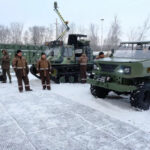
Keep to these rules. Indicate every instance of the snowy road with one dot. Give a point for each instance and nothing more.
(69, 118)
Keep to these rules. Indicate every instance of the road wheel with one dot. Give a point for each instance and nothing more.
(34, 71)
(141, 97)
(71, 79)
(99, 92)
(62, 79)
(76, 78)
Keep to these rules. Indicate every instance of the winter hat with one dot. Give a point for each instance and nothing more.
(43, 54)
(18, 51)
(101, 53)
(3, 50)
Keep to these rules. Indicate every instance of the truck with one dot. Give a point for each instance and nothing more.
(126, 71)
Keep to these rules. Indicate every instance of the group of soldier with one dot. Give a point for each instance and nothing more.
(44, 69)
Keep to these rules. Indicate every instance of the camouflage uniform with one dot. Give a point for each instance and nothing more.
(21, 69)
(6, 66)
(44, 67)
(83, 67)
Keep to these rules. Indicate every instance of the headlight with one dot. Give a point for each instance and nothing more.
(124, 70)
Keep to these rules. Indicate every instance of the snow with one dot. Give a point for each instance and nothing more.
(69, 118)
(114, 106)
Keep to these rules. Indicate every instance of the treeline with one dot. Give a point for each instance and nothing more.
(16, 33)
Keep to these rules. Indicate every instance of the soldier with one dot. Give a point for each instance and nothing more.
(83, 67)
(100, 56)
(21, 69)
(44, 68)
(6, 66)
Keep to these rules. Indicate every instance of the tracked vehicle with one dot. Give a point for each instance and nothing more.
(127, 71)
(64, 57)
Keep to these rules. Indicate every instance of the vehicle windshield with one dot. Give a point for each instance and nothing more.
(53, 51)
(133, 54)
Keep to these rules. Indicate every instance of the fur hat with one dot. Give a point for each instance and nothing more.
(18, 51)
(101, 53)
(43, 54)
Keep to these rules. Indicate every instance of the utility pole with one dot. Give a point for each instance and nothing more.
(102, 20)
(56, 29)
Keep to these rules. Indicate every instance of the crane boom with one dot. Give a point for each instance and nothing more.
(65, 23)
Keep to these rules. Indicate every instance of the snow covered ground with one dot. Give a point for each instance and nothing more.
(114, 106)
(69, 118)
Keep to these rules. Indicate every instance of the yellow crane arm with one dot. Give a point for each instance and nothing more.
(62, 19)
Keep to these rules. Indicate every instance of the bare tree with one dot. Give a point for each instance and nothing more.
(16, 32)
(26, 37)
(93, 36)
(113, 37)
(37, 34)
(72, 28)
(144, 29)
(132, 35)
(48, 33)
(140, 33)
(4, 34)
(82, 30)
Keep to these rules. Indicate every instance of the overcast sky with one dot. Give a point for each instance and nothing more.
(131, 13)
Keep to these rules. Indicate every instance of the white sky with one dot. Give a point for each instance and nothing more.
(131, 13)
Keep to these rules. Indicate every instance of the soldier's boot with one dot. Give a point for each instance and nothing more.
(4, 80)
(48, 87)
(10, 81)
(83, 80)
(44, 87)
(20, 89)
(27, 88)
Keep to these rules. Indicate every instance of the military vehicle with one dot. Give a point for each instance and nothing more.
(64, 57)
(30, 52)
(126, 71)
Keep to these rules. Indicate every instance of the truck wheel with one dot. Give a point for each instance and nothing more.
(99, 92)
(141, 97)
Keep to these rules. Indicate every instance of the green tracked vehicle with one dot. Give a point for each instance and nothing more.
(126, 71)
(30, 52)
(65, 57)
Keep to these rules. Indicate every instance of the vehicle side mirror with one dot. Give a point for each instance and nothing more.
(112, 52)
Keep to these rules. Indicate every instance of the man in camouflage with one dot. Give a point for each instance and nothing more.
(5, 66)
(83, 67)
(44, 68)
(21, 69)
